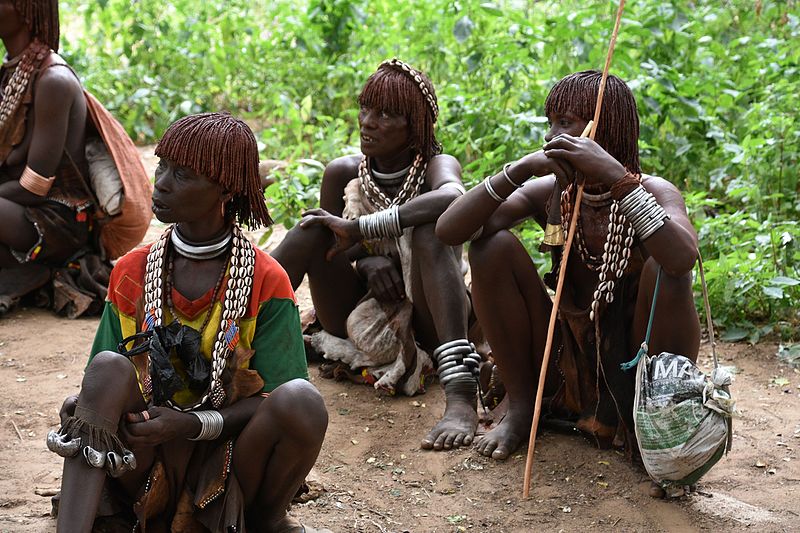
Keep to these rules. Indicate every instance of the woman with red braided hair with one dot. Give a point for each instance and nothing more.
(207, 420)
(46, 204)
(404, 287)
(42, 118)
(630, 226)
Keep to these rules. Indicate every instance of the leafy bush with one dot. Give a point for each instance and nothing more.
(716, 84)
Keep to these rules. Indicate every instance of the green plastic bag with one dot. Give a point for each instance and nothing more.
(681, 417)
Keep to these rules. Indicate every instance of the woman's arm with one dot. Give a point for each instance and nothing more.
(478, 210)
(55, 95)
(674, 244)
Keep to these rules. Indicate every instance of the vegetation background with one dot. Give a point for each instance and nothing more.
(717, 84)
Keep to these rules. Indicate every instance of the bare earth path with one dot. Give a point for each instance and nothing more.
(378, 480)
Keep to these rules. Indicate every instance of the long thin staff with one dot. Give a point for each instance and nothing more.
(591, 129)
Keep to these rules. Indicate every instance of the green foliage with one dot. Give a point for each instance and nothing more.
(716, 83)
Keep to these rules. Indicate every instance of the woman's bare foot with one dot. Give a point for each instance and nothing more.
(509, 434)
(457, 426)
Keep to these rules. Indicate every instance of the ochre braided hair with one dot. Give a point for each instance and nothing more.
(618, 131)
(223, 149)
(41, 16)
(393, 89)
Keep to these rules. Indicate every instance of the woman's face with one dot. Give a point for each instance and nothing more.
(10, 21)
(383, 134)
(568, 123)
(181, 195)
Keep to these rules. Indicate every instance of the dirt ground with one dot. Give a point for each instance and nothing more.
(376, 478)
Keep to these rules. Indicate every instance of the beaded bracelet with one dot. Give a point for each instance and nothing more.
(624, 186)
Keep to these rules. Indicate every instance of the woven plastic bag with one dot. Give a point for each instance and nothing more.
(681, 418)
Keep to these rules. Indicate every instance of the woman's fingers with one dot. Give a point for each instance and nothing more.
(137, 417)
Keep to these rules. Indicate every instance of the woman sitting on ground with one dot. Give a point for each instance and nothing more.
(209, 419)
(371, 248)
(606, 300)
(46, 205)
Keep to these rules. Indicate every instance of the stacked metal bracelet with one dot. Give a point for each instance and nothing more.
(381, 224)
(457, 361)
(211, 422)
(643, 212)
(496, 197)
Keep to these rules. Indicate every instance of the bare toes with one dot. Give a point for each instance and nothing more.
(488, 448)
(500, 453)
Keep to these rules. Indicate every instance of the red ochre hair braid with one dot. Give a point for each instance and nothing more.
(223, 149)
(41, 16)
(395, 89)
(618, 131)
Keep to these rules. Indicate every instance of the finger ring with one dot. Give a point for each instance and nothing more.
(146, 415)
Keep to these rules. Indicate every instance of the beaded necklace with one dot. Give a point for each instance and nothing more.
(616, 250)
(24, 65)
(234, 306)
(410, 188)
(168, 286)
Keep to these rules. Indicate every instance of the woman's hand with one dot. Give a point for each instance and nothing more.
(68, 408)
(158, 425)
(346, 232)
(539, 164)
(382, 277)
(587, 157)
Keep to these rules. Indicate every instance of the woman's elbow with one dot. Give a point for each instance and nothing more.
(445, 232)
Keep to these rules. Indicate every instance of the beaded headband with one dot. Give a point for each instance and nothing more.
(409, 71)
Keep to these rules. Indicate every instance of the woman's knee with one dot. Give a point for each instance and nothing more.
(110, 368)
(491, 251)
(424, 241)
(298, 409)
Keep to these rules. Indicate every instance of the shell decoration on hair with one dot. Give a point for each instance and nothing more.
(234, 306)
(417, 78)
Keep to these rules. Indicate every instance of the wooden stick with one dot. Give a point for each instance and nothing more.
(591, 129)
(19, 435)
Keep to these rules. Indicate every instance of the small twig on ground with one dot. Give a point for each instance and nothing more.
(19, 435)
(616, 521)
(380, 527)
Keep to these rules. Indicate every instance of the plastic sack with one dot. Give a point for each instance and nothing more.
(104, 177)
(159, 343)
(682, 418)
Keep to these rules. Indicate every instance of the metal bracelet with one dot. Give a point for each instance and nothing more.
(381, 224)
(211, 424)
(454, 185)
(508, 178)
(457, 360)
(643, 212)
(496, 197)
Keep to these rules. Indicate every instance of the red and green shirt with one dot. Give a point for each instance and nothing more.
(271, 325)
